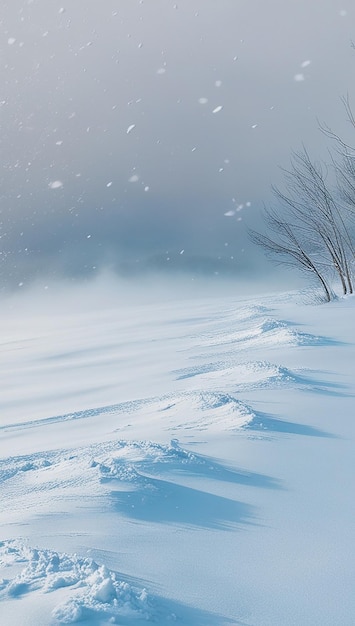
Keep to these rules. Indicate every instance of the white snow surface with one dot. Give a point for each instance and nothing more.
(182, 460)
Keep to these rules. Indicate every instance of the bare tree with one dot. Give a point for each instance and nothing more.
(344, 162)
(287, 248)
(309, 229)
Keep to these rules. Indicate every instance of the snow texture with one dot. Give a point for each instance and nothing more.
(184, 460)
(93, 589)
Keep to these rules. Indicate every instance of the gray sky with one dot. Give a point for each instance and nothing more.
(129, 129)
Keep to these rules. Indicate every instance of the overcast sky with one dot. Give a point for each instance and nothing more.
(145, 133)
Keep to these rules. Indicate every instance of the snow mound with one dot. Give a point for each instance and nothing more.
(244, 376)
(95, 591)
(202, 410)
(131, 457)
(267, 332)
(197, 406)
(282, 332)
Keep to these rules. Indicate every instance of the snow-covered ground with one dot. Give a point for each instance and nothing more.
(186, 460)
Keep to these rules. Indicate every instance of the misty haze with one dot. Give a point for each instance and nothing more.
(145, 136)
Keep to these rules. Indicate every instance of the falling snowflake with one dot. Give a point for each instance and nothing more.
(55, 184)
(217, 109)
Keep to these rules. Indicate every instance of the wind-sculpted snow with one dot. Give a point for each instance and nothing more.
(130, 461)
(267, 332)
(202, 407)
(138, 461)
(138, 479)
(246, 375)
(178, 463)
(94, 590)
(206, 411)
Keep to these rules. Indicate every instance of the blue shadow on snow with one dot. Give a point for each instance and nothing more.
(192, 464)
(163, 502)
(264, 422)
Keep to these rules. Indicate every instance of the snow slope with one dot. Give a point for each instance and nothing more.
(185, 460)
